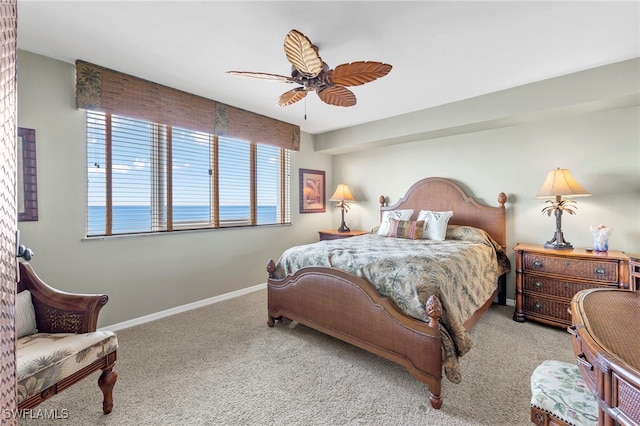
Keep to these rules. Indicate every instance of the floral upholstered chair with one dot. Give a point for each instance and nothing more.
(57, 343)
(560, 396)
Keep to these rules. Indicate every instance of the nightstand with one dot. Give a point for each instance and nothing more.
(335, 235)
(547, 280)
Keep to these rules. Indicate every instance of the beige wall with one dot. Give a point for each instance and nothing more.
(141, 275)
(599, 144)
(488, 144)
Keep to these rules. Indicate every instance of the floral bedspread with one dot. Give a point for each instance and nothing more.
(462, 271)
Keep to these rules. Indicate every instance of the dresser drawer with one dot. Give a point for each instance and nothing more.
(548, 308)
(595, 270)
(554, 287)
(586, 360)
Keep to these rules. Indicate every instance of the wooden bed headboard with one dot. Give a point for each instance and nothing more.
(440, 194)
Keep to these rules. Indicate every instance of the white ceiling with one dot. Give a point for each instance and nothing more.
(441, 51)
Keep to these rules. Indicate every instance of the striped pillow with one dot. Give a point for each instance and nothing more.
(410, 229)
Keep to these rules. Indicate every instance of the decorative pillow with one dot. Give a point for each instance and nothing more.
(435, 224)
(466, 233)
(393, 214)
(406, 229)
(25, 315)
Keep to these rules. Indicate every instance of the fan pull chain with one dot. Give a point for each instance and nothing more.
(305, 109)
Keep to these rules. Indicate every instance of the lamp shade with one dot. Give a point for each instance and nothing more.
(343, 193)
(559, 182)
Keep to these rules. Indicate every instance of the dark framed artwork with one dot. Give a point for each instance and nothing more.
(312, 191)
(27, 176)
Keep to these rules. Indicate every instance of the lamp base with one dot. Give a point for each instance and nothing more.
(344, 228)
(551, 245)
(558, 242)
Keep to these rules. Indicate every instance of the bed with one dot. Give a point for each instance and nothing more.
(340, 298)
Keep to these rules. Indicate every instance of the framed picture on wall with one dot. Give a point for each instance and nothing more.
(27, 176)
(312, 191)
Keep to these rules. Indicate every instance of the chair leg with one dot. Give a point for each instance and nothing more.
(106, 382)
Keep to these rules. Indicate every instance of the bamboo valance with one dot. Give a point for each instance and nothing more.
(105, 90)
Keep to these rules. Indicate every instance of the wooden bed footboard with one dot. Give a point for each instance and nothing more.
(347, 307)
(351, 309)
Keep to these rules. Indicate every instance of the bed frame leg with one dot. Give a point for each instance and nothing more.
(434, 310)
(502, 295)
(272, 320)
(436, 400)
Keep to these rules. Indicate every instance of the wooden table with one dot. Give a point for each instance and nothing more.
(606, 329)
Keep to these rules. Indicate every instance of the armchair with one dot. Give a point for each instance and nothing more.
(57, 343)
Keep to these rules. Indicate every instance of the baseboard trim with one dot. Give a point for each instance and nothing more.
(508, 302)
(199, 304)
(183, 308)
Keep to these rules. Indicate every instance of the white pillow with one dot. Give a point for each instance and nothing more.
(435, 224)
(393, 214)
(25, 315)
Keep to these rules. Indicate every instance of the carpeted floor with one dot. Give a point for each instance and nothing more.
(222, 365)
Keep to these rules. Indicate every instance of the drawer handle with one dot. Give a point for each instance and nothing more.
(581, 359)
(572, 330)
(537, 306)
(537, 284)
(600, 271)
(537, 264)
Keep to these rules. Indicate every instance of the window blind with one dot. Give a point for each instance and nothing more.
(146, 177)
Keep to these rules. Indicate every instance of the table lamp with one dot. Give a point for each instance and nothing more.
(559, 183)
(341, 195)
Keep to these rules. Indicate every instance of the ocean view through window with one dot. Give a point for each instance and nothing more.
(150, 178)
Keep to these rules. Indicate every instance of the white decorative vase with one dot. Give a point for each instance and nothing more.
(601, 235)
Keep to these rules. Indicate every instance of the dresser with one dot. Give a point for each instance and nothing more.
(336, 235)
(606, 341)
(547, 280)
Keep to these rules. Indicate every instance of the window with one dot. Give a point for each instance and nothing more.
(145, 177)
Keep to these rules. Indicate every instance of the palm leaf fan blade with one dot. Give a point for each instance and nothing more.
(302, 54)
(292, 96)
(338, 96)
(358, 73)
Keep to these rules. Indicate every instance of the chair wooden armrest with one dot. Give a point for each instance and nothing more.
(58, 311)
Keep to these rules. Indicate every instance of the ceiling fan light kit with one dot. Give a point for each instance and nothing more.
(313, 74)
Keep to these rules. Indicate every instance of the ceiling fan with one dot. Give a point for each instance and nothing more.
(312, 73)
